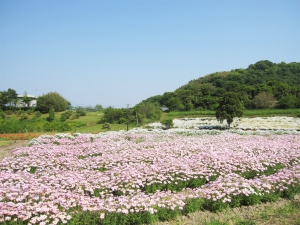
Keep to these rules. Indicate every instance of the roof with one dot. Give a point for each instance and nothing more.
(31, 96)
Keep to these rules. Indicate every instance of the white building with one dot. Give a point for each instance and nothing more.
(20, 103)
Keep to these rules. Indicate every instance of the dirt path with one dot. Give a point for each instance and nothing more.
(6, 150)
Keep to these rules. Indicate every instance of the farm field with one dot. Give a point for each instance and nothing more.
(142, 176)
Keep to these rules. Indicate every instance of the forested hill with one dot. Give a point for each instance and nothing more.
(261, 85)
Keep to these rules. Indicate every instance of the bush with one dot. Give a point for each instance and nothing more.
(51, 116)
(8, 112)
(80, 112)
(2, 115)
(122, 120)
(167, 123)
(106, 126)
(19, 112)
(289, 101)
(66, 115)
(37, 115)
(23, 116)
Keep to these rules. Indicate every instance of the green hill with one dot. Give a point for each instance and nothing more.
(261, 85)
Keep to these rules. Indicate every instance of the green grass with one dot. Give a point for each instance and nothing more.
(4, 143)
(272, 112)
(246, 113)
(275, 213)
(88, 123)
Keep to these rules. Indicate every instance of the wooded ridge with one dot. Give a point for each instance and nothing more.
(262, 85)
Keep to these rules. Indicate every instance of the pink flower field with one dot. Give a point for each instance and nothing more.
(139, 178)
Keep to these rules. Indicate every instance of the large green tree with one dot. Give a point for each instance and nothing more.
(51, 100)
(12, 96)
(8, 97)
(229, 107)
(147, 110)
(3, 99)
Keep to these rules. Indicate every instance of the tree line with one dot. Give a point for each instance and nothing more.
(261, 85)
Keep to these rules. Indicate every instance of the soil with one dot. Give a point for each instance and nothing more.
(6, 150)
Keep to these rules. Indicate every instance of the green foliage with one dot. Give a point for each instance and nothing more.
(8, 97)
(275, 80)
(106, 126)
(246, 222)
(147, 111)
(80, 111)
(2, 115)
(288, 101)
(52, 100)
(56, 126)
(51, 116)
(37, 115)
(16, 126)
(167, 123)
(66, 115)
(112, 115)
(264, 100)
(23, 116)
(229, 107)
(192, 205)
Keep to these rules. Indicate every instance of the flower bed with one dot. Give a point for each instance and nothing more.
(20, 136)
(131, 178)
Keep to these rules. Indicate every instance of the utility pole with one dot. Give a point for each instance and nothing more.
(127, 115)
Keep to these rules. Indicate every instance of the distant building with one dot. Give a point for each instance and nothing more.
(164, 109)
(21, 104)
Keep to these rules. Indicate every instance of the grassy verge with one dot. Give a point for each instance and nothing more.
(246, 113)
(276, 213)
(88, 123)
(5, 143)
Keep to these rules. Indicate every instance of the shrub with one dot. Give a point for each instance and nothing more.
(2, 115)
(37, 115)
(122, 120)
(8, 112)
(51, 116)
(23, 116)
(80, 111)
(167, 123)
(289, 101)
(106, 126)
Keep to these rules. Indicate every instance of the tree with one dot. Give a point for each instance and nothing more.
(264, 100)
(2, 115)
(12, 96)
(147, 110)
(168, 123)
(229, 107)
(51, 116)
(98, 107)
(289, 101)
(27, 99)
(52, 100)
(3, 99)
(112, 115)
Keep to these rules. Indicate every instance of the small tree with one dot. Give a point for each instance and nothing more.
(51, 116)
(27, 99)
(264, 100)
(168, 123)
(229, 107)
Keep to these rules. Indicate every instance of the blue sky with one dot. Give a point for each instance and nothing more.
(118, 52)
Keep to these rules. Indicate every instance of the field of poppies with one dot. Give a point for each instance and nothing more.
(138, 178)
